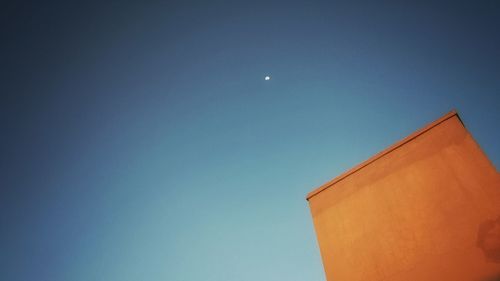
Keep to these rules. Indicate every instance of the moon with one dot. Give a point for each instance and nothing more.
(267, 78)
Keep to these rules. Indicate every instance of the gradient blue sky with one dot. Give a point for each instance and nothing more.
(139, 141)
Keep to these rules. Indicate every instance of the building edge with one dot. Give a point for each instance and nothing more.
(387, 150)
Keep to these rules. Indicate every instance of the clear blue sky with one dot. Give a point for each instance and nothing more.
(140, 141)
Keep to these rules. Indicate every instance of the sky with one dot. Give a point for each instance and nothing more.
(140, 140)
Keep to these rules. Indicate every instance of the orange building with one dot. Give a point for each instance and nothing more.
(426, 208)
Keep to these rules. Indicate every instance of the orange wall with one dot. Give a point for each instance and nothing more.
(427, 208)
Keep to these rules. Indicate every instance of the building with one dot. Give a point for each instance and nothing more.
(426, 208)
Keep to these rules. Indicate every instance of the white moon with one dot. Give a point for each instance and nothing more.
(267, 78)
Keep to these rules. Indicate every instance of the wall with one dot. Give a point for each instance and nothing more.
(427, 208)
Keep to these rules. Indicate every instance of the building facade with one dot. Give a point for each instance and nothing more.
(426, 208)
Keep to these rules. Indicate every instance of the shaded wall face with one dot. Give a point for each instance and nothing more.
(429, 210)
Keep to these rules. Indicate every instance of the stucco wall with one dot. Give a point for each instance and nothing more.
(425, 209)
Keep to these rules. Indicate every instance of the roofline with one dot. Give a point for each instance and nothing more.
(391, 148)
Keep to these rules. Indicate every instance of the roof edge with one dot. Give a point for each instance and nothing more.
(389, 149)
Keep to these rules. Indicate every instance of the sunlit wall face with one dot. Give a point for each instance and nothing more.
(140, 141)
(427, 208)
